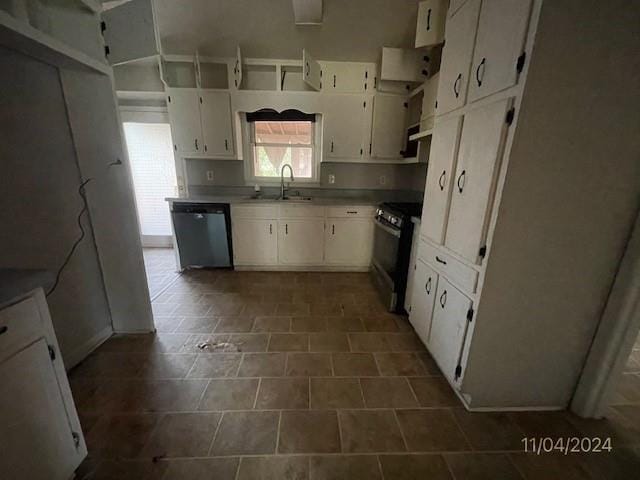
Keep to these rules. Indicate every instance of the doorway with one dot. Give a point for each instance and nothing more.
(153, 170)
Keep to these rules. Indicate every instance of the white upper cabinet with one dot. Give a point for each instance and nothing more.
(348, 241)
(217, 130)
(456, 57)
(432, 15)
(347, 77)
(130, 31)
(448, 327)
(311, 71)
(437, 194)
(237, 69)
(389, 126)
(425, 285)
(300, 241)
(255, 241)
(346, 122)
(403, 65)
(184, 113)
(502, 28)
(481, 146)
(429, 96)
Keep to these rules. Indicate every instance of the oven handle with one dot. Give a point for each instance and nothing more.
(389, 230)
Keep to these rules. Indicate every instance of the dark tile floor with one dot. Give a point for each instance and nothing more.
(305, 376)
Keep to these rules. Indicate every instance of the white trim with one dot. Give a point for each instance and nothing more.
(615, 336)
(81, 352)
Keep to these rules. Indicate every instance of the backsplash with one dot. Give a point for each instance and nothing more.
(371, 177)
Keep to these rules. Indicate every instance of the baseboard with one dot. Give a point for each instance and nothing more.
(300, 268)
(538, 408)
(81, 352)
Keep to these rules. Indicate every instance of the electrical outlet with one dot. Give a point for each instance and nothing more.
(332, 178)
(210, 175)
(383, 180)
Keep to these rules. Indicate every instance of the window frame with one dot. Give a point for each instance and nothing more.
(250, 143)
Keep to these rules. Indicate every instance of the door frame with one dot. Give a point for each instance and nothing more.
(614, 337)
(141, 114)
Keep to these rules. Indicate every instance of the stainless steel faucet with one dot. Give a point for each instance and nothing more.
(282, 189)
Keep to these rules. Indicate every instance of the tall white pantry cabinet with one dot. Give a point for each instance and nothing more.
(512, 269)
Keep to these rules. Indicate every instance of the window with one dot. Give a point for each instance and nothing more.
(154, 174)
(278, 142)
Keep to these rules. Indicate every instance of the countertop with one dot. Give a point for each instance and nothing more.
(244, 199)
(15, 282)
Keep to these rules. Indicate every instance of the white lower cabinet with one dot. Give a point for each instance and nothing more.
(348, 241)
(255, 241)
(40, 435)
(448, 328)
(423, 294)
(300, 241)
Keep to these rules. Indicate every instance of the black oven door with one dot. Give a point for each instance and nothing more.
(386, 245)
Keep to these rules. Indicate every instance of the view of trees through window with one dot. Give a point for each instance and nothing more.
(280, 143)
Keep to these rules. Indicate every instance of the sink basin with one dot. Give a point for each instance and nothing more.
(277, 198)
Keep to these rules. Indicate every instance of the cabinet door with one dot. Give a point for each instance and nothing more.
(389, 126)
(429, 101)
(413, 259)
(300, 241)
(237, 69)
(456, 57)
(432, 15)
(500, 41)
(437, 193)
(130, 32)
(311, 71)
(448, 327)
(34, 423)
(184, 115)
(425, 285)
(348, 242)
(217, 132)
(478, 161)
(346, 77)
(344, 123)
(255, 242)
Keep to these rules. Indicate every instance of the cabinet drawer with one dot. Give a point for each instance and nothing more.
(362, 211)
(298, 211)
(20, 325)
(254, 211)
(456, 271)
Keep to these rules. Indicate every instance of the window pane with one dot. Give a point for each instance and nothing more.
(290, 133)
(154, 174)
(268, 161)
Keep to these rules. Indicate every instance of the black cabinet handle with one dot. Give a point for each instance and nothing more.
(439, 260)
(456, 85)
(333, 229)
(331, 147)
(428, 19)
(308, 69)
(196, 143)
(334, 81)
(461, 180)
(286, 229)
(441, 180)
(443, 299)
(271, 229)
(427, 286)
(3, 329)
(479, 77)
(355, 213)
(226, 144)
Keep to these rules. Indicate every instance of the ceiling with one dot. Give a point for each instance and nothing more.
(352, 30)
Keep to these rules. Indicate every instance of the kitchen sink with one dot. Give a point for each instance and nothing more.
(278, 198)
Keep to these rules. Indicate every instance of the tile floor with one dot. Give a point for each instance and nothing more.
(305, 376)
(160, 264)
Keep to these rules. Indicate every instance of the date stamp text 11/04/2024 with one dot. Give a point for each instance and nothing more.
(566, 445)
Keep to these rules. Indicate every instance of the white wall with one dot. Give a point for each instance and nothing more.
(570, 198)
(39, 201)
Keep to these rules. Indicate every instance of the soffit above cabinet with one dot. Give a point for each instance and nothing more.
(350, 31)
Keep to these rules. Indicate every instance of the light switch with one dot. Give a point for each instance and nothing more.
(383, 179)
(210, 175)
(332, 178)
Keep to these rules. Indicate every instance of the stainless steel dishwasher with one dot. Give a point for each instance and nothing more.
(203, 234)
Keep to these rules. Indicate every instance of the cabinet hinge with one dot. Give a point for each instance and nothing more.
(366, 74)
(470, 314)
(483, 251)
(406, 105)
(510, 114)
(106, 50)
(103, 26)
(458, 372)
(375, 82)
(76, 439)
(361, 151)
(52, 352)
(520, 62)
(200, 99)
(320, 73)
(364, 104)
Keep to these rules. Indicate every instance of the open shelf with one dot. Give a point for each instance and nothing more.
(422, 134)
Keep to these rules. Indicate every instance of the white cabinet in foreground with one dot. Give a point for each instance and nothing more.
(300, 241)
(348, 241)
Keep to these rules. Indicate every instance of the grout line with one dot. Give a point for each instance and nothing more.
(309, 399)
(255, 399)
(215, 434)
(404, 440)
(464, 434)
(380, 467)
(415, 395)
(238, 468)
(340, 431)
(278, 432)
(364, 402)
(450, 470)
(202, 394)
(286, 364)
(239, 365)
